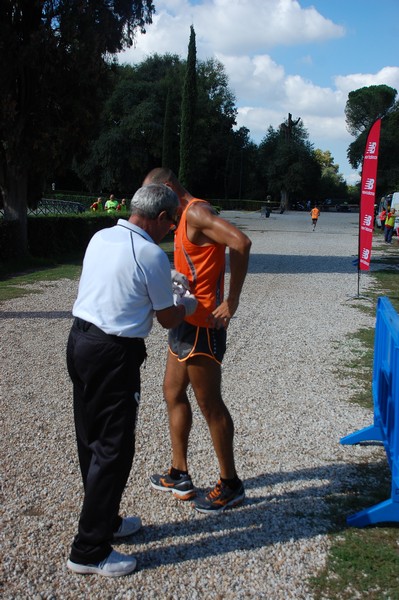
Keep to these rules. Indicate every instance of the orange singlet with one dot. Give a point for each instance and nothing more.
(204, 267)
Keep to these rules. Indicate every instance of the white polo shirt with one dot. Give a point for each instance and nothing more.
(125, 278)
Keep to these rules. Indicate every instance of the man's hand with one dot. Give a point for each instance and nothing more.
(181, 292)
(180, 283)
(189, 302)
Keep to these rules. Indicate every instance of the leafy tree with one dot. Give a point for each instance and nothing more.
(241, 157)
(188, 115)
(325, 160)
(287, 163)
(54, 67)
(216, 146)
(140, 128)
(168, 141)
(354, 193)
(131, 137)
(366, 105)
(332, 184)
(388, 164)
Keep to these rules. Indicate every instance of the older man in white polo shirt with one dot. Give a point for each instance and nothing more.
(126, 279)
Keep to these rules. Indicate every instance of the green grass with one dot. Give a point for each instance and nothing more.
(386, 283)
(364, 562)
(361, 366)
(16, 274)
(31, 272)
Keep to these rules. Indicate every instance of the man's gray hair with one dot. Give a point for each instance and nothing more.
(152, 199)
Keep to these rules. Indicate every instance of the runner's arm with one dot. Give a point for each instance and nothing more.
(207, 226)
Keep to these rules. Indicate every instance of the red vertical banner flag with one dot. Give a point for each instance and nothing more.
(367, 197)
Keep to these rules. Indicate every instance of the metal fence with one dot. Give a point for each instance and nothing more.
(47, 206)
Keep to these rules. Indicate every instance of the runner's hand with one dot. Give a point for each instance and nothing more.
(178, 279)
(180, 284)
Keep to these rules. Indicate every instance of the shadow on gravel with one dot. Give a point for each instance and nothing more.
(281, 263)
(32, 314)
(267, 518)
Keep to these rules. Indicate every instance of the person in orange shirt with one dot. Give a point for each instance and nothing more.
(382, 217)
(197, 347)
(97, 205)
(314, 213)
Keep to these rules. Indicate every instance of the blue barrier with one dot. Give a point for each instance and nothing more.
(385, 389)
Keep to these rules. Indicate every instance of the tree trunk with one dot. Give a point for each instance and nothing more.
(283, 200)
(15, 208)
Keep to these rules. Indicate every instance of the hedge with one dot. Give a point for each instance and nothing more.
(53, 237)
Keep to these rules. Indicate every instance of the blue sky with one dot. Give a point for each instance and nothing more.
(286, 56)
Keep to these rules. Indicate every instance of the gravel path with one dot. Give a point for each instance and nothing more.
(289, 404)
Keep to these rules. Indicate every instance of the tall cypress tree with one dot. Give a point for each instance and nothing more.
(167, 138)
(188, 110)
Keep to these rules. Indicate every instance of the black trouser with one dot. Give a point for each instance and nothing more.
(388, 234)
(105, 372)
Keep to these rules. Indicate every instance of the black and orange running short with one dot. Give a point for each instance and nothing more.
(186, 341)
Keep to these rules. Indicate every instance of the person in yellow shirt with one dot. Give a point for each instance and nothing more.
(389, 225)
(314, 213)
(111, 205)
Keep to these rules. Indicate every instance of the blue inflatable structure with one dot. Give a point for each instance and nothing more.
(385, 429)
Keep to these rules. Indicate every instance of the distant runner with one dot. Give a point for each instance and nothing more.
(315, 213)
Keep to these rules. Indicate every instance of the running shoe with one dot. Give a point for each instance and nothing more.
(115, 565)
(181, 488)
(128, 526)
(220, 498)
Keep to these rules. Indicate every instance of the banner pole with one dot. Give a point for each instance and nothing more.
(367, 199)
(358, 296)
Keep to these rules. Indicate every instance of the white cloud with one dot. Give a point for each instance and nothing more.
(306, 60)
(256, 79)
(322, 109)
(258, 119)
(242, 34)
(313, 99)
(231, 27)
(250, 24)
(271, 96)
(387, 75)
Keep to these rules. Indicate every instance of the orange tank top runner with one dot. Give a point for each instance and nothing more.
(204, 267)
(315, 213)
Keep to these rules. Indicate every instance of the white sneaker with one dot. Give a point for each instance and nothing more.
(115, 565)
(128, 526)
